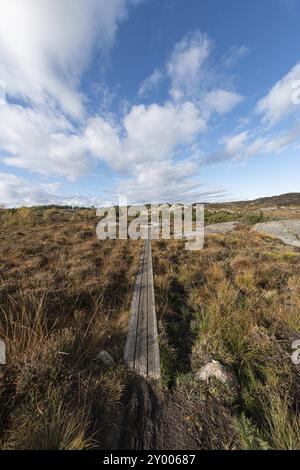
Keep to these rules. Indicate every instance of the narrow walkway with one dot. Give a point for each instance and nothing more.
(141, 349)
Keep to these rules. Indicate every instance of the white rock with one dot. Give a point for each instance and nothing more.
(223, 227)
(214, 369)
(288, 231)
(105, 358)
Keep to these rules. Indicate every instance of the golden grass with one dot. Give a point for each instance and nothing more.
(64, 296)
(239, 302)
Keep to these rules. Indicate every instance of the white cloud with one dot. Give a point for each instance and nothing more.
(48, 144)
(184, 68)
(143, 149)
(252, 143)
(273, 144)
(101, 139)
(234, 144)
(167, 181)
(234, 55)
(42, 60)
(155, 185)
(16, 191)
(41, 142)
(193, 79)
(186, 62)
(147, 134)
(151, 82)
(45, 46)
(279, 101)
(153, 132)
(234, 148)
(221, 101)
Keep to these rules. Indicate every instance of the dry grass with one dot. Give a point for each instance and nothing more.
(236, 301)
(64, 297)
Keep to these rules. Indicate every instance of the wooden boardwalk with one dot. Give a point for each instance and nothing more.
(141, 349)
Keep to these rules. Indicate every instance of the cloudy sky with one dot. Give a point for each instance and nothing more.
(154, 100)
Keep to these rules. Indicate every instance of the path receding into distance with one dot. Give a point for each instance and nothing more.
(141, 349)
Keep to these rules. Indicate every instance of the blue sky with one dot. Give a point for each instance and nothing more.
(176, 101)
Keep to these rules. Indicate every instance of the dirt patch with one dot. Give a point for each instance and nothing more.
(140, 424)
(164, 420)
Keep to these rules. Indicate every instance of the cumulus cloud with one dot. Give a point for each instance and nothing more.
(50, 132)
(152, 135)
(185, 65)
(168, 182)
(48, 144)
(46, 45)
(221, 101)
(192, 78)
(279, 103)
(16, 191)
(154, 131)
(249, 143)
(43, 142)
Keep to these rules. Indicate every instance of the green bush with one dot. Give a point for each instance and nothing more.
(219, 217)
(254, 218)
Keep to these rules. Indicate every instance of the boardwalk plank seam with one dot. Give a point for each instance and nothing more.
(142, 350)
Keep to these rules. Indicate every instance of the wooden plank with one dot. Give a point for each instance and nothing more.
(129, 352)
(153, 347)
(142, 349)
(141, 352)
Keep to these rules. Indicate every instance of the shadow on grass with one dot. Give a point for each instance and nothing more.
(176, 351)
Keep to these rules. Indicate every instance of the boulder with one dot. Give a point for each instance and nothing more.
(288, 231)
(223, 227)
(105, 358)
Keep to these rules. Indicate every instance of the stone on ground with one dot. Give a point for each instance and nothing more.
(223, 227)
(217, 370)
(105, 359)
(288, 231)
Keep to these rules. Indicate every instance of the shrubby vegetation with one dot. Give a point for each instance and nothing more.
(237, 301)
(64, 296)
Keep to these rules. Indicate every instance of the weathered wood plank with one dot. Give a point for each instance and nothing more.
(141, 349)
(141, 353)
(153, 347)
(129, 352)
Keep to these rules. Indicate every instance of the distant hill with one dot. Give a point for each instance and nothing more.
(288, 199)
